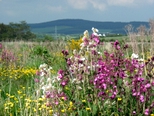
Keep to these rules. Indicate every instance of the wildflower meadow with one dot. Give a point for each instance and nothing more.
(84, 77)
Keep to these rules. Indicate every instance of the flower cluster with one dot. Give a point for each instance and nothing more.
(106, 77)
(111, 73)
(48, 85)
(7, 57)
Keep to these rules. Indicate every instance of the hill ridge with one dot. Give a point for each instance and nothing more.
(77, 26)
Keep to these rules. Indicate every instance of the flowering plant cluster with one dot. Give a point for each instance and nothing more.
(107, 80)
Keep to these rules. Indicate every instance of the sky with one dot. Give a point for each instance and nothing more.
(38, 11)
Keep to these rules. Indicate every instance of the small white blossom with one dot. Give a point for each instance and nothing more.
(140, 60)
(82, 58)
(94, 30)
(86, 34)
(134, 56)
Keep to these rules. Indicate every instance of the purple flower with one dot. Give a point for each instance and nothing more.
(116, 43)
(142, 98)
(96, 40)
(94, 52)
(0, 45)
(148, 85)
(65, 52)
(146, 112)
(152, 58)
(63, 83)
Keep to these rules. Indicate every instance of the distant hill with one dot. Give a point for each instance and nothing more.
(77, 26)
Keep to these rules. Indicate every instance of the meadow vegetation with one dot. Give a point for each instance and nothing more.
(84, 77)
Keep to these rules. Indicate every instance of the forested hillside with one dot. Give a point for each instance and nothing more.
(77, 26)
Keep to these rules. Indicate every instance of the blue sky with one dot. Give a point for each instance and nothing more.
(37, 11)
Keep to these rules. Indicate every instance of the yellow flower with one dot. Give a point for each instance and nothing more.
(88, 109)
(6, 108)
(34, 109)
(27, 104)
(119, 99)
(19, 92)
(83, 101)
(151, 114)
(107, 91)
(12, 96)
(71, 103)
(62, 98)
(50, 111)
(63, 111)
(66, 88)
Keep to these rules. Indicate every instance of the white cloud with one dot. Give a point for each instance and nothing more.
(120, 2)
(83, 4)
(98, 5)
(78, 4)
(129, 2)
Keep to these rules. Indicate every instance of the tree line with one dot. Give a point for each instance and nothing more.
(16, 31)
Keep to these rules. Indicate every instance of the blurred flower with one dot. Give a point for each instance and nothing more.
(146, 112)
(88, 109)
(0, 45)
(134, 56)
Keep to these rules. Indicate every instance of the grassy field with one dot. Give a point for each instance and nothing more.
(84, 77)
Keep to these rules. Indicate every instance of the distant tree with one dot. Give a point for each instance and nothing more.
(16, 31)
(5, 32)
(21, 31)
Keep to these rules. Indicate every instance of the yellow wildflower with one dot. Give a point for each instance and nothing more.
(50, 111)
(71, 103)
(19, 92)
(63, 111)
(83, 101)
(88, 109)
(119, 99)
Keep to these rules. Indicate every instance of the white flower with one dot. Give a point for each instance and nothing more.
(86, 34)
(81, 65)
(48, 80)
(82, 58)
(78, 87)
(99, 53)
(140, 60)
(89, 67)
(74, 52)
(43, 66)
(50, 68)
(43, 88)
(94, 30)
(134, 56)
(42, 74)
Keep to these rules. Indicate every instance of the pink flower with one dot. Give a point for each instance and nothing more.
(37, 73)
(146, 112)
(36, 80)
